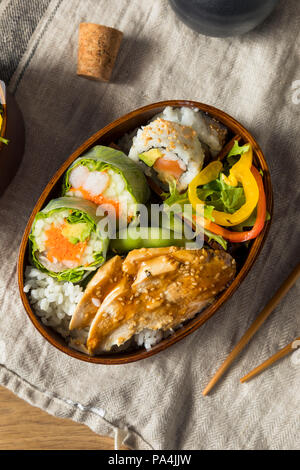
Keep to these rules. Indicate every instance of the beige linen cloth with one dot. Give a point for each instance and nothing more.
(157, 403)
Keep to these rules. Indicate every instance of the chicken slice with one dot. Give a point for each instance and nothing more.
(136, 257)
(164, 291)
(154, 267)
(100, 285)
(110, 314)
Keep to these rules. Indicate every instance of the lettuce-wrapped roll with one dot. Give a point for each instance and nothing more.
(109, 178)
(65, 240)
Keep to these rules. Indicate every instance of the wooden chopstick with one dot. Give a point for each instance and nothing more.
(266, 312)
(279, 355)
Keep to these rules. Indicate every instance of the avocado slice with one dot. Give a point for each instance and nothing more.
(76, 232)
(150, 157)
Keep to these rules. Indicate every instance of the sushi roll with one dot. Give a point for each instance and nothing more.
(168, 151)
(108, 178)
(65, 241)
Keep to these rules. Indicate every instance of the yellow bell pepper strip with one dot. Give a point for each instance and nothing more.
(209, 173)
(230, 180)
(238, 237)
(240, 172)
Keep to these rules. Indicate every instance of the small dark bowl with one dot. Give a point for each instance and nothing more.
(13, 130)
(107, 135)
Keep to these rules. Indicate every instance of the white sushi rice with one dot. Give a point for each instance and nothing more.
(54, 303)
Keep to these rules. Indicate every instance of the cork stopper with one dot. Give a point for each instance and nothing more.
(97, 51)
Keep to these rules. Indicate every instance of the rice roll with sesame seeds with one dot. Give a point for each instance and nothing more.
(65, 240)
(168, 151)
(108, 178)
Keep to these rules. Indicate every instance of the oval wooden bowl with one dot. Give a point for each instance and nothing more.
(107, 135)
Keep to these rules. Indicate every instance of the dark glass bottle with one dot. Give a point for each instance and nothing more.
(222, 18)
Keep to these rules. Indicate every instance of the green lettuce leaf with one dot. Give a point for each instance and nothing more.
(216, 238)
(174, 196)
(221, 196)
(234, 154)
